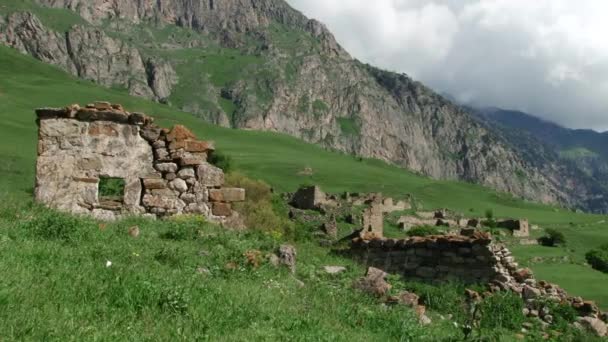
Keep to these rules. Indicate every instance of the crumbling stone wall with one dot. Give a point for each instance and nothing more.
(165, 172)
(432, 259)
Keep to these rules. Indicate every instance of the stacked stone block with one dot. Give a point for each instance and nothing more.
(431, 259)
(166, 171)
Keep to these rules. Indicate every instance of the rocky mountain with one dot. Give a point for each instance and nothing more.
(259, 64)
(583, 151)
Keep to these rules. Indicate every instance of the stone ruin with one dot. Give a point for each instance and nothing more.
(474, 259)
(520, 228)
(372, 220)
(433, 259)
(159, 172)
(443, 217)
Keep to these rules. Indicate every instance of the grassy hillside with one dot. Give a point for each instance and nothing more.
(40, 268)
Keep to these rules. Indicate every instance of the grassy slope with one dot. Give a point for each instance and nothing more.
(26, 84)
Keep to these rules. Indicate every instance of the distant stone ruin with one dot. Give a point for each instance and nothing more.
(433, 259)
(106, 162)
(372, 217)
(520, 228)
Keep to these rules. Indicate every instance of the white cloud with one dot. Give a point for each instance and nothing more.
(547, 57)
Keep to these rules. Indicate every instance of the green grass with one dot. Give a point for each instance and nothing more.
(47, 266)
(577, 153)
(58, 19)
(60, 287)
(348, 126)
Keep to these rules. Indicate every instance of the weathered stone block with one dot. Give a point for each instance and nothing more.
(51, 113)
(179, 185)
(137, 119)
(192, 159)
(186, 173)
(150, 133)
(161, 154)
(222, 209)
(154, 183)
(179, 133)
(227, 195)
(209, 175)
(191, 145)
(166, 167)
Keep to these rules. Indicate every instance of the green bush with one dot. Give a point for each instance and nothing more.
(423, 231)
(490, 220)
(261, 210)
(598, 258)
(221, 160)
(501, 311)
(552, 238)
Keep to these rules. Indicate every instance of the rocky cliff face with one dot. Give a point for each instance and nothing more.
(88, 52)
(259, 64)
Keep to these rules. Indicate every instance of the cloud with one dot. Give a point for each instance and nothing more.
(546, 57)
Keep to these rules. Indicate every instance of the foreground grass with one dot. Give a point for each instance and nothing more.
(61, 288)
(74, 279)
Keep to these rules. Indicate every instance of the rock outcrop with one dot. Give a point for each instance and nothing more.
(88, 52)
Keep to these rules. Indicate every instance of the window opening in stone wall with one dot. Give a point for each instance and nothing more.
(111, 191)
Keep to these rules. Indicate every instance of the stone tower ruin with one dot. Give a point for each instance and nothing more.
(106, 162)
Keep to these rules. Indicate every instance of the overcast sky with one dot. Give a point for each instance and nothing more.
(546, 57)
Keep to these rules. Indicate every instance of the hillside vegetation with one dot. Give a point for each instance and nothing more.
(56, 265)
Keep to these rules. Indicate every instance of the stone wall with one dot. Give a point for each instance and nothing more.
(165, 172)
(432, 259)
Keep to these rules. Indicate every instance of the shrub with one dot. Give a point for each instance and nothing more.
(490, 221)
(221, 160)
(261, 209)
(552, 238)
(598, 258)
(423, 231)
(501, 310)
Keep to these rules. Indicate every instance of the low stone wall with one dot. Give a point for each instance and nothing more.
(165, 172)
(433, 258)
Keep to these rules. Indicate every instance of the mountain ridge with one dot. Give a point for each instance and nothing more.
(263, 65)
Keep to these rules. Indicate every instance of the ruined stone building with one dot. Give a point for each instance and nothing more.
(106, 162)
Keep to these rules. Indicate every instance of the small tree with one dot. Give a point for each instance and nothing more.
(552, 238)
(490, 221)
(598, 258)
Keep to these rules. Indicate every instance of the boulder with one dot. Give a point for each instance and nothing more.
(334, 269)
(530, 292)
(287, 257)
(374, 282)
(594, 325)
